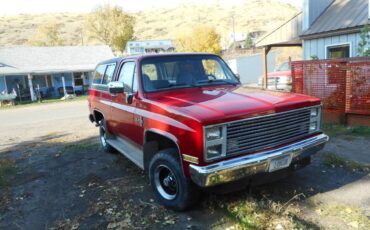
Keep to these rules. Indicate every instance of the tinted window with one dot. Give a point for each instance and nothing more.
(127, 76)
(160, 73)
(108, 76)
(99, 72)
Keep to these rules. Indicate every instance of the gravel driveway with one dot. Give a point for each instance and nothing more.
(64, 181)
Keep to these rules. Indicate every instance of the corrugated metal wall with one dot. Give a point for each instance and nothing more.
(317, 47)
(250, 68)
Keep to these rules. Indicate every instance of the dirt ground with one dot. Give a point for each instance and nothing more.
(63, 180)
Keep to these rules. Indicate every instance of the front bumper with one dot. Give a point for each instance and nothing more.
(241, 167)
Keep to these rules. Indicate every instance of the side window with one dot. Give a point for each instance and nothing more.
(150, 70)
(127, 76)
(108, 76)
(99, 72)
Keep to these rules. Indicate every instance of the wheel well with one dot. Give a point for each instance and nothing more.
(98, 116)
(155, 142)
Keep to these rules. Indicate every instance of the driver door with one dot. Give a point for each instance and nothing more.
(123, 109)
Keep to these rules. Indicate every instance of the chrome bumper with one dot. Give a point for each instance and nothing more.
(241, 167)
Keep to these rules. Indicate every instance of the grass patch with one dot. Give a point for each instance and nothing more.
(263, 213)
(45, 101)
(337, 130)
(333, 160)
(81, 147)
(8, 170)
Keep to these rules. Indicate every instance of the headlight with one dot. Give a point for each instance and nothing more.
(314, 112)
(214, 133)
(315, 119)
(214, 142)
(214, 151)
(284, 79)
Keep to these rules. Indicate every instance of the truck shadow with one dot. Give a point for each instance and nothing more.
(63, 183)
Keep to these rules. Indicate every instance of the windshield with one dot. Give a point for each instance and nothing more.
(283, 67)
(162, 73)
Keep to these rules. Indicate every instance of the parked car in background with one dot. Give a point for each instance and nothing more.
(280, 79)
(186, 120)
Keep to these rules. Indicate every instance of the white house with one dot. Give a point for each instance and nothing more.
(149, 46)
(23, 68)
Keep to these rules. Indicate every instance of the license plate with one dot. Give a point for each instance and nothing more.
(280, 163)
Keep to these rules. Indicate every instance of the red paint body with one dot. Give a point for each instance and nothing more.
(181, 114)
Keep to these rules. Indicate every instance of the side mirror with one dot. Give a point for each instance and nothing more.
(115, 87)
(237, 76)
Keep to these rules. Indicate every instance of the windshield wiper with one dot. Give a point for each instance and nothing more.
(216, 80)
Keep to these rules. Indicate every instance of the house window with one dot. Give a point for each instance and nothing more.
(338, 51)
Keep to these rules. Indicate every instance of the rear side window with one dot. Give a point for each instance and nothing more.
(127, 76)
(99, 72)
(108, 76)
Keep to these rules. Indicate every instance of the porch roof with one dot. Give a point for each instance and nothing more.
(41, 60)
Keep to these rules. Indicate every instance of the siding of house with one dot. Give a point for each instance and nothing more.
(2, 84)
(317, 47)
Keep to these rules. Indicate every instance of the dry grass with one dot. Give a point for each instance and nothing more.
(256, 15)
(333, 160)
(252, 212)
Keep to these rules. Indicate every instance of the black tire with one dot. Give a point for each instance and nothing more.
(103, 138)
(171, 188)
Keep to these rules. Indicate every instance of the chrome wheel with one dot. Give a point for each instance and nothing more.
(165, 182)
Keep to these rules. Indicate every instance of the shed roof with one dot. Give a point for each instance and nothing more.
(340, 17)
(30, 59)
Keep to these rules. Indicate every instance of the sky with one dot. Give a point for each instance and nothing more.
(13, 7)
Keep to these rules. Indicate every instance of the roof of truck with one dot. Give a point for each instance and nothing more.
(143, 56)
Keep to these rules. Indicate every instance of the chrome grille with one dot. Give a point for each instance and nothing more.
(267, 131)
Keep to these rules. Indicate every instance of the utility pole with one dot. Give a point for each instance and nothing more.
(233, 30)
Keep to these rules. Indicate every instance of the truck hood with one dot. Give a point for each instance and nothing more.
(210, 105)
(280, 73)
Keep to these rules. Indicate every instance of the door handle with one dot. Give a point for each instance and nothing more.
(129, 98)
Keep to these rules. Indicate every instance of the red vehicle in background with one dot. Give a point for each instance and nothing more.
(280, 79)
(186, 120)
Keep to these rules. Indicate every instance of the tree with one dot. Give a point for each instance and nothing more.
(201, 39)
(47, 34)
(363, 46)
(248, 41)
(110, 25)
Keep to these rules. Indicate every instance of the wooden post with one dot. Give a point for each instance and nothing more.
(265, 53)
(347, 92)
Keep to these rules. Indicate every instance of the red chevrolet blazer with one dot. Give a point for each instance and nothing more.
(188, 122)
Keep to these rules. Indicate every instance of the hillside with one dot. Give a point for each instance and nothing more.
(253, 15)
